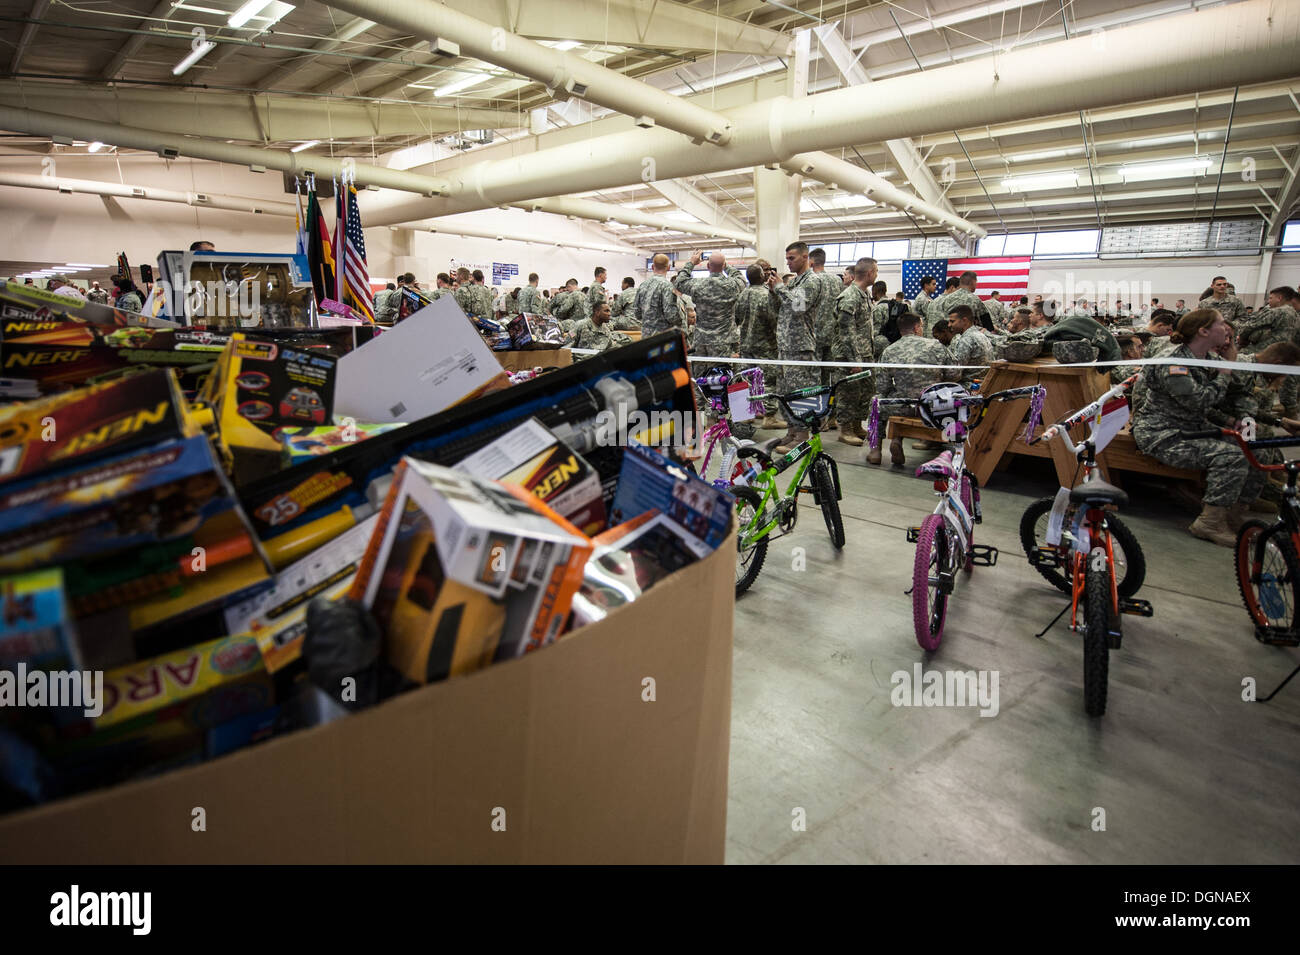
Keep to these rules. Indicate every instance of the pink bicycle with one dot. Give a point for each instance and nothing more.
(717, 387)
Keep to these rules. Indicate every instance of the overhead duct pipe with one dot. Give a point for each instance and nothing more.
(125, 191)
(827, 169)
(455, 228)
(1254, 41)
(170, 146)
(603, 212)
(563, 72)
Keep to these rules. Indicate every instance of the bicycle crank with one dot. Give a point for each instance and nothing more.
(787, 514)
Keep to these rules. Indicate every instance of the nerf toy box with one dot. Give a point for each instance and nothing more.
(534, 331)
(27, 301)
(36, 627)
(462, 571)
(532, 457)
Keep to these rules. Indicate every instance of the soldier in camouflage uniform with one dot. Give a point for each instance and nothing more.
(879, 315)
(971, 348)
(714, 298)
(963, 294)
(596, 291)
(849, 342)
(464, 295)
(530, 299)
(911, 349)
(1253, 394)
(832, 287)
(482, 296)
(595, 332)
(923, 299)
(570, 307)
(997, 310)
(1229, 306)
(655, 303)
(756, 314)
(1130, 347)
(1179, 398)
(1276, 323)
(386, 302)
(795, 330)
(621, 309)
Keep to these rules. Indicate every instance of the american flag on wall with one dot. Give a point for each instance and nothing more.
(353, 276)
(1007, 274)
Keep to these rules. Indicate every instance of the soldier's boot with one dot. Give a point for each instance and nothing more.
(1236, 516)
(896, 457)
(1212, 525)
(774, 422)
(1263, 505)
(848, 437)
(829, 425)
(792, 440)
(860, 431)
(873, 455)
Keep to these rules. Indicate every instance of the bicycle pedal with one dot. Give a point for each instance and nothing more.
(1278, 636)
(983, 555)
(1045, 558)
(1114, 639)
(912, 534)
(1135, 607)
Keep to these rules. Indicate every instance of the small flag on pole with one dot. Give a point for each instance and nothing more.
(320, 252)
(353, 274)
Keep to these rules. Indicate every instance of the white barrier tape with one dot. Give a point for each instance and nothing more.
(1136, 362)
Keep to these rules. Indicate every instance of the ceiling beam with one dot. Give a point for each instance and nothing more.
(163, 10)
(29, 33)
(349, 31)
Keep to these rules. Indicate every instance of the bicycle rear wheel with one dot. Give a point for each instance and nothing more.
(1096, 641)
(1269, 584)
(824, 482)
(749, 557)
(929, 603)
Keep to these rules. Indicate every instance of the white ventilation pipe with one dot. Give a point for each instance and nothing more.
(36, 123)
(563, 72)
(1256, 41)
(603, 212)
(844, 175)
(444, 227)
(125, 191)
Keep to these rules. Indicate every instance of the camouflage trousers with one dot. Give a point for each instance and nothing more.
(713, 345)
(1229, 478)
(827, 375)
(852, 401)
(1290, 396)
(799, 376)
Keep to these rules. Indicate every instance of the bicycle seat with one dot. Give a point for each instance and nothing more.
(939, 466)
(1098, 492)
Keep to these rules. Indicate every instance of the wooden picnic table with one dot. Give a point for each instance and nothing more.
(1001, 435)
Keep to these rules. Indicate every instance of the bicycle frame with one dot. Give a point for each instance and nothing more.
(720, 431)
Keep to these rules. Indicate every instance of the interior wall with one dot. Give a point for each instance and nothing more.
(1134, 280)
(47, 226)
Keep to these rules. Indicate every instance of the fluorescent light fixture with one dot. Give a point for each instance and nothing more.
(245, 13)
(196, 54)
(1177, 169)
(1163, 140)
(1048, 180)
(560, 44)
(86, 265)
(307, 145)
(1046, 154)
(464, 83)
(94, 147)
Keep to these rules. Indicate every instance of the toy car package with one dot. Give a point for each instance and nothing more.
(630, 559)
(649, 481)
(307, 442)
(36, 627)
(461, 571)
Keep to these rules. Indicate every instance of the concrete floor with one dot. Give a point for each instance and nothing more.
(1185, 770)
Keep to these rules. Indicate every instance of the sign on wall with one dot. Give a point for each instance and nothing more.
(504, 271)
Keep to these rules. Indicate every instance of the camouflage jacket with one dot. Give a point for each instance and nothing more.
(1231, 308)
(714, 297)
(595, 295)
(1177, 399)
(796, 325)
(656, 307)
(530, 300)
(910, 382)
(974, 349)
(832, 289)
(850, 335)
(1268, 325)
(756, 313)
(622, 302)
(941, 306)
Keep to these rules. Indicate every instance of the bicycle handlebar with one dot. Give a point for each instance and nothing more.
(1063, 426)
(1248, 447)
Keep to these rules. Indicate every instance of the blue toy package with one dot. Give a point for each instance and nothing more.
(649, 481)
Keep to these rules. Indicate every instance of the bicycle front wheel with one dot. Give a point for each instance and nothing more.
(824, 482)
(1268, 575)
(1096, 641)
(1054, 560)
(929, 603)
(749, 554)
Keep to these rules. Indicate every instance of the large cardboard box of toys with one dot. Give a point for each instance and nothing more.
(607, 743)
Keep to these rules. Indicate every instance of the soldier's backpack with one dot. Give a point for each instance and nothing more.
(889, 329)
(1074, 351)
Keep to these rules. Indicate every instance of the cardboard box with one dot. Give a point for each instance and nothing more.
(537, 358)
(561, 740)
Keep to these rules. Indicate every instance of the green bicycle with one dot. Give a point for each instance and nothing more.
(761, 508)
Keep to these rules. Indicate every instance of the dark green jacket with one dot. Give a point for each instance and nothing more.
(1090, 330)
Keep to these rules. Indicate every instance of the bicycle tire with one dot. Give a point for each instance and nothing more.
(968, 502)
(931, 552)
(1130, 562)
(825, 484)
(1096, 642)
(747, 497)
(1261, 597)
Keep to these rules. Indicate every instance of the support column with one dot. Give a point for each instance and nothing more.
(776, 205)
